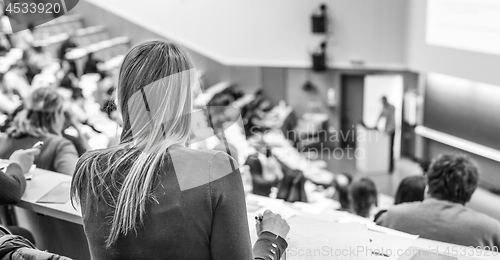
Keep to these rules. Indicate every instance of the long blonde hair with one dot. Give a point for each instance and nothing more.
(154, 99)
(42, 113)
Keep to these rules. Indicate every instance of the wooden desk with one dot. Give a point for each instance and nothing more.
(57, 227)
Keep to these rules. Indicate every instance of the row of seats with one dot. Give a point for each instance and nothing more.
(82, 37)
(66, 23)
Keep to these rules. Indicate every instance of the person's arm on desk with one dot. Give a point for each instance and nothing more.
(12, 181)
(230, 238)
(272, 231)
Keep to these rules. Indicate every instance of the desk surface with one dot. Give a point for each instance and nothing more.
(44, 181)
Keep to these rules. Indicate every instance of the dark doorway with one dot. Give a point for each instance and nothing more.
(351, 107)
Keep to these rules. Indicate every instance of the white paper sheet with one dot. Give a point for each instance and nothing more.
(328, 241)
(390, 247)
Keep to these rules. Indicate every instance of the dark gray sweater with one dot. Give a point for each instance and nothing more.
(12, 185)
(200, 214)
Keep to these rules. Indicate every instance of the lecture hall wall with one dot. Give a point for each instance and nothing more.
(263, 43)
(423, 57)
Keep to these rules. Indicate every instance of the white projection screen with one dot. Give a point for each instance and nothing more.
(470, 25)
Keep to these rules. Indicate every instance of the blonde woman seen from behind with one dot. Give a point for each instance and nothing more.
(151, 197)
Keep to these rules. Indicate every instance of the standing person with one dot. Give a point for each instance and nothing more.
(389, 115)
(151, 197)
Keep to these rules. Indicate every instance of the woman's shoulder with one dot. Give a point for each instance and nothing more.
(196, 167)
(201, 156)
(191, 155)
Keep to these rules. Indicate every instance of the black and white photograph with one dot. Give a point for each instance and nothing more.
(250, 129)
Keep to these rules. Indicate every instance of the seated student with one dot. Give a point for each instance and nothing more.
(13, 182)
(363, 197)
(265, 170)
(16, 79)
(151, 197)
(66, 47)
(9, 101)
(92, 65)
(42, 120)
(341, 185)
(442, 216)
(411, 189)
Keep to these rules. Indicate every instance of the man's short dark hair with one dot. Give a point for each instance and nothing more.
(452, 177)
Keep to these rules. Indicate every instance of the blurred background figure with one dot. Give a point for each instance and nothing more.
(388, 118)
(341, 185)
(42, 119)
(363, 197)
(410, 189)
(16, 80)
(265, 169)
(13, 183)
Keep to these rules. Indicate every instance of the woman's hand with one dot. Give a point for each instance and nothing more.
(24, 158)
(273, 223)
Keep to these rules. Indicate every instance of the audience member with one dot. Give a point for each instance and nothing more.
(9, 100)
(42, 120)
(265, 170)
(12, 180)
(16, 80)
(411, 189)
(442, 216)
(363, 197)
(92, 65)
(66, 47)
(36, 59)
(341, 184)
(13, 183)
(151, 196)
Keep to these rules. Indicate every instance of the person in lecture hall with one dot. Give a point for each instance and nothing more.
(442, 216)
(13, 182)
(411, 189)
(389, 115)
(363, 197)
(151, 197)
(42, 119)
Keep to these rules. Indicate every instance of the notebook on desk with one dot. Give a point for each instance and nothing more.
(58, 195)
